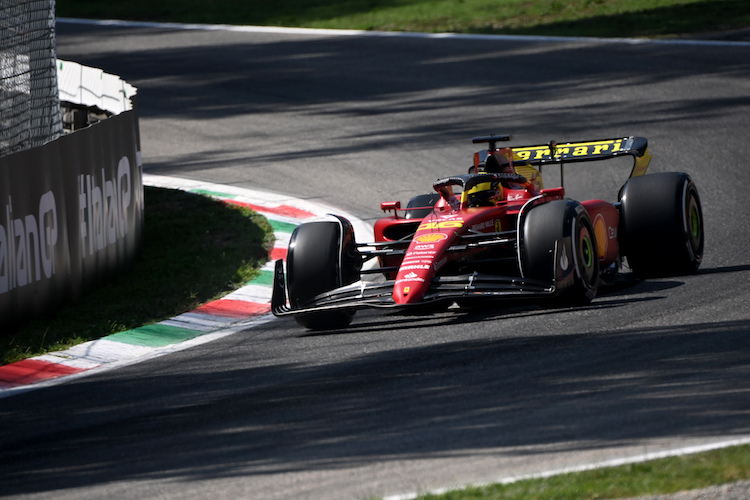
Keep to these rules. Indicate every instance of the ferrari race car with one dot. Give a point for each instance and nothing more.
(496, 233)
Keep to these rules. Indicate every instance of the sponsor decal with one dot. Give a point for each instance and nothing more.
(410, 280)
(600, 230)
(423, 250)
(415, 266)
(431, 238)
(410, 277)
(482, 225)
(439, 264)
(27, 244)
(443, 224)
(564, 262)
(416, 260)
(573, 150)
(103, 208)
(495, 225)
(451, 217)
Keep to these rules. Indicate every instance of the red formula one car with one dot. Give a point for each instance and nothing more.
(496, 233)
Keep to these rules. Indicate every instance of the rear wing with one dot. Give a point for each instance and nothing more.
(572, 152)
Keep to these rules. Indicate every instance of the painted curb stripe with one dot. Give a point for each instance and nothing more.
(206, 323)
(29, 371)
(214, 194)
(263, 278)
(249, 293)
(103, 351)
(157, 335)
(282, 227)
(285, 210)
(234, 308)
(277, 253)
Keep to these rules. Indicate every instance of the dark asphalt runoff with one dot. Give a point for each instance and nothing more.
(397, 404)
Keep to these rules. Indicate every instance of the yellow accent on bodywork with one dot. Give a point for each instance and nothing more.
(641, 164)
(532, 175)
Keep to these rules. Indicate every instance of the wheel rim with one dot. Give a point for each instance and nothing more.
(587, 253)
(694, 225)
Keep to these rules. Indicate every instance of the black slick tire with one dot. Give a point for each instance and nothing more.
(661, 225)
(317, 263)
(564, 220)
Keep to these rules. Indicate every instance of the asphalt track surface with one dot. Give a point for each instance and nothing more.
(398, 403)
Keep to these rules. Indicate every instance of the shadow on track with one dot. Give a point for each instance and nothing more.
(525, 392)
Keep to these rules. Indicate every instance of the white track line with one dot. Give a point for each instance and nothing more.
(399, 34)
(615, 462)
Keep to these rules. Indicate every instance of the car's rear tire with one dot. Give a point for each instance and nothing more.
(542, 227)
(321, 257)
(661, 225)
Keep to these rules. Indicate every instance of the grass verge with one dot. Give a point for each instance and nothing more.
(196, 249)
(663, 476)
(601, 18)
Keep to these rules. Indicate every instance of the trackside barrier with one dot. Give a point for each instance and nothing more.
(93, 87)
(71, 211)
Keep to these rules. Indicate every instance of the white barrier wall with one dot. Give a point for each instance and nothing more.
(93, 87)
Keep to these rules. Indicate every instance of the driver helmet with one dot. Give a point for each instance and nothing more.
(485, 194)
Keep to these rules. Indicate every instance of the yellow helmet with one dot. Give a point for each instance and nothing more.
(485, 194)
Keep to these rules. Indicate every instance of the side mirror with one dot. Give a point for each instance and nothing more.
(556, 192)
(387, 206)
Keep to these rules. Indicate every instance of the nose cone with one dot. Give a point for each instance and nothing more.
(431, 240)
(407, 293)
(411, 285)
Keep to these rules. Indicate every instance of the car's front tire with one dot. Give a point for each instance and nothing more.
(321, 257)
(569, 221)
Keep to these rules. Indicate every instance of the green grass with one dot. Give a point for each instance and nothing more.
(605, 18)
(663, 476)
(196, 249)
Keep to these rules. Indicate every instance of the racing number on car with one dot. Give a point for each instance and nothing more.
(446, 224)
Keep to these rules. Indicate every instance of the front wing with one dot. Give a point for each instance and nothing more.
(362, 294)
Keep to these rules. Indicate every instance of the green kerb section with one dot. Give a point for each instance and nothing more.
(282, 227)
(208, 192)
(155, 335)
(263, 278)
